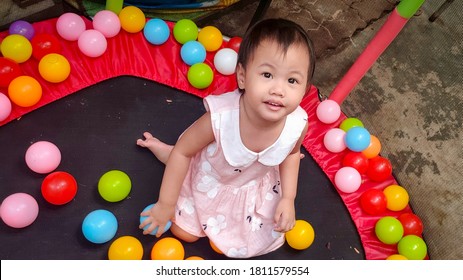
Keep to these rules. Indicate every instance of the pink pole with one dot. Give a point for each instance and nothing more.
(386, 34)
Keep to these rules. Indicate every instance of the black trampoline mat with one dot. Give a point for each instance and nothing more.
(96, 131)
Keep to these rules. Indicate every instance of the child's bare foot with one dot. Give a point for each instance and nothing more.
(160, 149)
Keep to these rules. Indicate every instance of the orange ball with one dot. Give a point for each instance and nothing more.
(217, 250)
(54, 68)
(211, 38)
(126, 248)
(397, 197)
(374, 148)
(132, 19)
(194, 258)
(168, 248)
(25, 91)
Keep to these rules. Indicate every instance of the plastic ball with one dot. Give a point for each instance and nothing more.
(211, 38)
(43, 157)
(5, 107)
(373, 201)
(168, 248)
(412, 224)
(99, 226)
(25, 91)
(132, 19)
(22, 27)
(43, 44)
(397, 197)
(185, 30)
(142, 218)
(389, 230)
(412, 247)
(16, 47)
(54, 68)
(9, 69)
(301, 236)
(347, 179)
(200, 75)
(234, 43)
(328, 111)
(193, 52)
(107, 22)
(19, 210)
(350, 123)
(334, 140)
(396, 257)
(215, 248)
(114, 185)
(125, 248)
(59, 188)
(374, 148)
(225, 61)
(70, 26)
(156, 31)
(194, 258)
(357, 139)
(356, 160)
(92, 43)
(379, 169)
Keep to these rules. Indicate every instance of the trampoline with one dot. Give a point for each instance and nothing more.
(95, 116)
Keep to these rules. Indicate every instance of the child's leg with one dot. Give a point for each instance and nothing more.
(183, 235)
(160, 149)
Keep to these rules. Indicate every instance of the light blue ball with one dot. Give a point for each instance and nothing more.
(156, 31)
(99, 226)
(357, 139)
(155, 230)
(193, 52)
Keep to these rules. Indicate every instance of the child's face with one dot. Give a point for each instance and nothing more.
(274, 82)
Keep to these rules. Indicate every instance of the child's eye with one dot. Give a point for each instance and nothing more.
(267, 75)
(292, 80)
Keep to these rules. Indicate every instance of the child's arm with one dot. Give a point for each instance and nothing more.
(289, 172)
(193, 140)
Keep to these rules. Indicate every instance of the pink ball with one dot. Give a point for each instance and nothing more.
(43, 157)
(19, 210)
(334, 140)
(328, 111)
(92, 43)
(107, 22)
(5, 107)
(348, 179)
(70, 26)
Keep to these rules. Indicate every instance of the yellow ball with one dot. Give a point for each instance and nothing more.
(54, 68)
(16, 47)
(125, 248)
(301, 236)
(397, 197)
(168, 248)
(132, 19)
(25, 91)
(397, 257)
(211, 38)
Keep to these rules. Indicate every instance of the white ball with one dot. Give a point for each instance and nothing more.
(225, 61)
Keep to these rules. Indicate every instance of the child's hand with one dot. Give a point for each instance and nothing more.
(285, 215)
(157, 216)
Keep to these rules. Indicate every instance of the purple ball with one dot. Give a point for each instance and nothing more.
(22, 27)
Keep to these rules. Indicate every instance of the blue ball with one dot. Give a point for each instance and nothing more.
(357, 139)
(155, 230)
(156, 31)
(193, 52)
(99, 226)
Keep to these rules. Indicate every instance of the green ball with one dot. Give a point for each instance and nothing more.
(412, 247)
(350, 123)
(114, 186)
(185, 30)
(407, 8)
(200, 75)
(389, 230)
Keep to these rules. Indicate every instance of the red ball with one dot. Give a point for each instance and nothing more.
(411, 223)
(379, 169)
(234, 43)
(43, 44)
(59, 188)
(356, 160)
(373, 201)
(9, 70)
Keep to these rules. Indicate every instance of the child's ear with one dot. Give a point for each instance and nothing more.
(240, 75)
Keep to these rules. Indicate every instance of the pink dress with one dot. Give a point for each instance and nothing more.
(230, 193)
